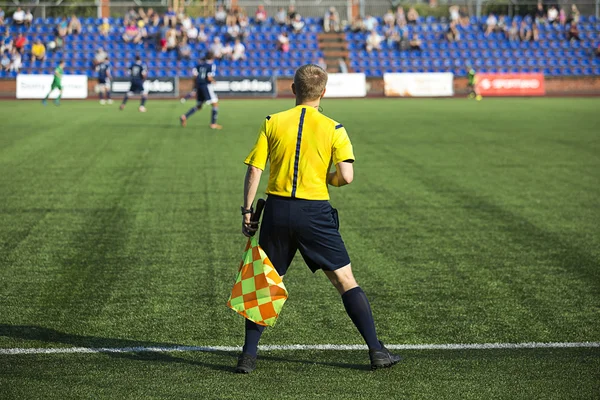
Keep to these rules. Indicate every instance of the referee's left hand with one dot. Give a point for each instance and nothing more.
(249, 227)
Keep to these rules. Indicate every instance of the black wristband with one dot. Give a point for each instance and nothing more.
(247, 210)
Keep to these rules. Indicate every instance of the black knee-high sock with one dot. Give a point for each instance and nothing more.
(253, 333)
(359, 310)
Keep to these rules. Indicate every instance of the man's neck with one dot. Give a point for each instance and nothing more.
(313, 104)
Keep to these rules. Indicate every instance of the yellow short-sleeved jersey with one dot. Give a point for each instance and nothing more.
(38, 49)
(301, 144)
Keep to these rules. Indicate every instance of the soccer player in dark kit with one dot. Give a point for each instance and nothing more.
(138, 73)
(301, 145)
(205, 76)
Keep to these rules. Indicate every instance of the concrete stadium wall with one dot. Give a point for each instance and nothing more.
(564, 86)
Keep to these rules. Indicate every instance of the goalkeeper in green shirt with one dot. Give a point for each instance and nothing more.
(56, 83)
(472, 77)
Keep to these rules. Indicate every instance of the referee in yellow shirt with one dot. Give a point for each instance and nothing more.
(301, 145)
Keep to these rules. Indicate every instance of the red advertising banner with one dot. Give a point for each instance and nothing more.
(511, 84)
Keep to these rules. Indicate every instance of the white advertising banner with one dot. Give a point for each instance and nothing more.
(38, 86)
(437, 84)
(346, 85)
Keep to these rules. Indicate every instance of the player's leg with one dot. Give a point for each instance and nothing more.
(48, 95)
(125, 98)
(188, 96)
(143, 102)
(201, 98)
(322, 247)
(57, 100)
(214, 101)
(107, 93)
(101, 90)
(275, 239)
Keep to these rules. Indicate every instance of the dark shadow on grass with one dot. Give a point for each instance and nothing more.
(37, 333)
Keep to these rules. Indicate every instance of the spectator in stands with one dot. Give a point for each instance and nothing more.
(227, 51)
(170, 17)
(540, 14)
(233, 32)
(239, 51)
(7, 42)
(391, 34)
(331, 20)
(389, 18)
(454, 13)
(5, 61)
(297, 23)
(573, 32)
(513, 32)
(260, 16)
(291, 15)
(171, 38)
(131, 15)
(412, 17)
(100, 56)
(142, 29)
(373, 41)
(15, 61)
(525, 32)
(216, 48)
(281, 17)
(283, 42)
(535, 33)
(464, 17)
(232, 17)
(357, 25)
(38, 51)
(574, 14)
(20, 43)
(501, 26)
(400, 16)
(143, 15)
(61, 28)
(452, 34)
(370, 23)
(2, 17)
(562, 17)
(552, 15)
(490, 24)
(244, 24)
(28, 18)
(202, 36)
(152, 17)
(220, 16)
(74, 26)
(132, 33)
(415, 43)
(18, 16)
(188, 29)
(104, 27)
(181, 15)
(184, 50)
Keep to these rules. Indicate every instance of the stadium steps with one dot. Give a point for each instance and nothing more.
(334, 46)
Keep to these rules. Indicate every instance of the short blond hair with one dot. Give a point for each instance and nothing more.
(310, 81)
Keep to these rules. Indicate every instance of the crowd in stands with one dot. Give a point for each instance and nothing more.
(175, 31)
(395, 26)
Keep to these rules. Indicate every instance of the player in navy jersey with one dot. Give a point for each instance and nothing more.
(205, 76)
(138, 73)
(104, 75)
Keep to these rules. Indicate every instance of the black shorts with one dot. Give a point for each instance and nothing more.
(310, 226)
(137, 87)
(205, 94)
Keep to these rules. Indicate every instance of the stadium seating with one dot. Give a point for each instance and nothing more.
(552, 55)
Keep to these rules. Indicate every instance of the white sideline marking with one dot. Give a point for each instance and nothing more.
(300, 347)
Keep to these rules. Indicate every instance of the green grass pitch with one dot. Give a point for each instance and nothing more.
(468, 222)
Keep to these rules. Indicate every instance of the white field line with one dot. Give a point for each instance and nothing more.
(298, 347)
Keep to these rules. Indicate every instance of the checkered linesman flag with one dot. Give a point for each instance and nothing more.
(258, 293)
